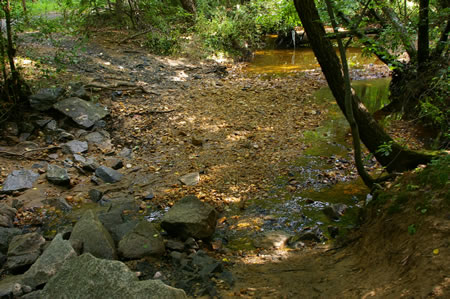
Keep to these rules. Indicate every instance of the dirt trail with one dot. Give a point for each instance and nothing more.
(238, 132)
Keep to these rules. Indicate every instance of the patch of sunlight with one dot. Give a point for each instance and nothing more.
(232, 199)
(180, 77)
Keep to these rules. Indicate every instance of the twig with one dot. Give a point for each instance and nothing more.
(135, 35)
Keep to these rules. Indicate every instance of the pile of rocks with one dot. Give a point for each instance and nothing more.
(82, 260)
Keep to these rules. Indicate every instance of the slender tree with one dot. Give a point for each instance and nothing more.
(372, 135)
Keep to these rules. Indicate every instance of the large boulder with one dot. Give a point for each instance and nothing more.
(88, 277)
(94, 237)
(6, 235)
(49, 262)
(190, 217)
(7, 215)
(45, 98)
(19, 180)
(82, 112)
(144, 240)
(24, 250)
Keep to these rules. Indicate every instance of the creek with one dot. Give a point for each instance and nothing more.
(323, 175)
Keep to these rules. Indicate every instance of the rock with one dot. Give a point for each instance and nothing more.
(88, 277)
(94, 236)
(190, 217)
(177, 256)
(190, 179)
(175, 245)
(6, 235)
(49, 262)
(8, 285)
(7, 215)
(206, 265)
(126, 153)
(335, 211)
(144, 240)
(75, 147)
(120, 230)
(272, 239)
(86, 163)
(108, 175)
(82, 112)
(33, 295)
(19, 180)
(24, 250)
(57, 175)
(114, 163)
(59, 203)
(2, 259)
(95, 195)
(64, 136)
(94, 137)
(45, 98)
(77, 90)
(51, 125)
(191, 243)
(310, 234)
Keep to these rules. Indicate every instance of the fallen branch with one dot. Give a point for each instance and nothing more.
(121, 85)
(134, 36)
(6, 153)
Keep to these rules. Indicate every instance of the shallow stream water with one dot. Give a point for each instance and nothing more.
(322, 175)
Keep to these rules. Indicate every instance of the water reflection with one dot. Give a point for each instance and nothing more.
(287, 60)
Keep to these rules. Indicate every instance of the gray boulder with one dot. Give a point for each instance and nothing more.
(88, 277)
(24, 250)
(94, 137)
(6, 235)
(49, 262)
(57, 175)
(45, 98)
(144, 240)
(75, 147)
(190, 179)
(82, 112)
(94, 237)
(10, 286)
(20, 180)
(7, 215)
(108, 175)
(190, 217)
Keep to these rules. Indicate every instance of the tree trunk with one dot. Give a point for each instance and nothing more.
(423, 50)
(189, 6)
(372, 135)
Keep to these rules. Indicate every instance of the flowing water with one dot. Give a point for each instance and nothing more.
(322, 176)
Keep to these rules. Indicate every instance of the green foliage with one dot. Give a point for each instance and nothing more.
(385, 149)
(433, 105)
(163, 44)
(412, 229)
(437, 173)
(239, 26)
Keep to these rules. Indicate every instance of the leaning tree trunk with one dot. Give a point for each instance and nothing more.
(189, 6)
(371, 133)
